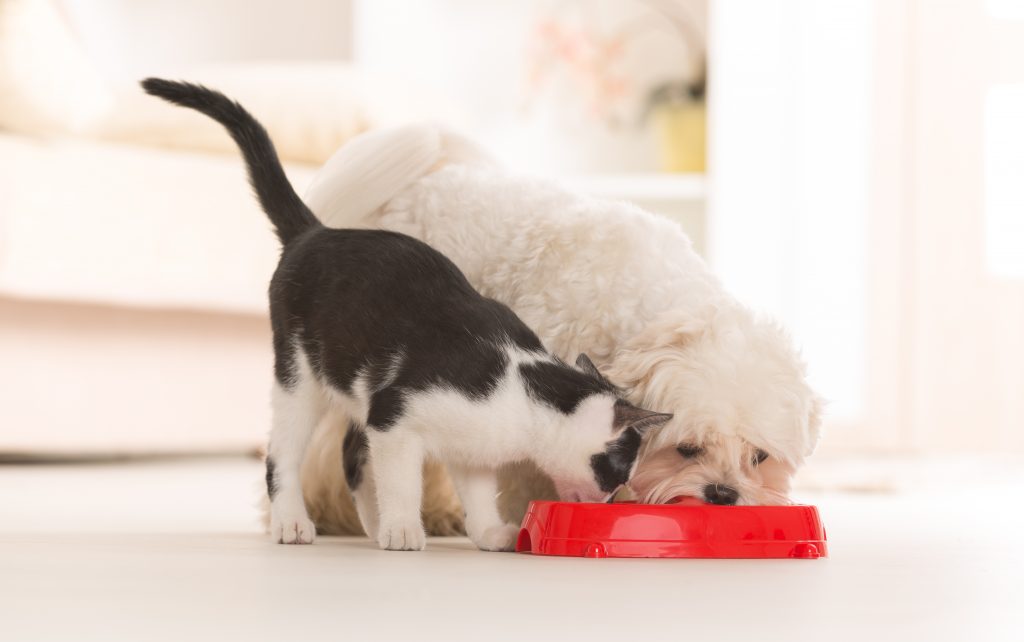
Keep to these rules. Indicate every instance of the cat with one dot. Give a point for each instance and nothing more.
(388, 329)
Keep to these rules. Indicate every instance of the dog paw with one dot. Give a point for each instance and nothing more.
(402, 537)
(292, 529)
(498, 538)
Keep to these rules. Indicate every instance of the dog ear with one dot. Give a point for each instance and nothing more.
(661, 343)
(584, 363)
(814, 414)
(629, 416)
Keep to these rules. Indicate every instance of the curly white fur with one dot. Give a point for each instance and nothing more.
(605, 278)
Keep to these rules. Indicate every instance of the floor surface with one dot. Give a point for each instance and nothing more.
(173, 551)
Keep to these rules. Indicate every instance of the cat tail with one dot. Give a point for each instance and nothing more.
(282, 205)
(370, 169)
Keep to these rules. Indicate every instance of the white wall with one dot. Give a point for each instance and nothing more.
(866, 189)
(968, 301)
(790, 116)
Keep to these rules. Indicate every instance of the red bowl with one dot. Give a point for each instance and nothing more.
(687, 528)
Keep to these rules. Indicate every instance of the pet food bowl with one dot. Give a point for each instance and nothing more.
(685, 528)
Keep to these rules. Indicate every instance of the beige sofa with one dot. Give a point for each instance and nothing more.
(132, 299)
(133, 260)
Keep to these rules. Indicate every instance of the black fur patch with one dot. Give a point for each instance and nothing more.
(271, 479)
(559, 386)
(366, 301)
(284, 355)
(386, 408)
(613, 467)
(354, 451)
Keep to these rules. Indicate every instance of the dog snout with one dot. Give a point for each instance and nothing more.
(720, 494)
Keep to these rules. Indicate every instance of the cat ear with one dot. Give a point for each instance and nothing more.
(629, 416)
(584, 363)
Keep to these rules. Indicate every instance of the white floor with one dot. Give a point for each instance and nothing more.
(173, 551)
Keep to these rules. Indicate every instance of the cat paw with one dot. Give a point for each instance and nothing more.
(498, 538)
(402, 537)
(292, 529)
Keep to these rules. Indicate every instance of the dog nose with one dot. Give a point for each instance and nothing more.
(719, 494)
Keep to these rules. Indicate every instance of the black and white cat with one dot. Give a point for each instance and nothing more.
(389, 330)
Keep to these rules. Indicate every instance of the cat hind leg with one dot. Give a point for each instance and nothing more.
(359, 477)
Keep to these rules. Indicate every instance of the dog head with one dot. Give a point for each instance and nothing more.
(744, 415)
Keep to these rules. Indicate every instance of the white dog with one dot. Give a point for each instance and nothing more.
(588, 275)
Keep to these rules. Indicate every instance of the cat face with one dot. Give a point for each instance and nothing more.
(607, 431)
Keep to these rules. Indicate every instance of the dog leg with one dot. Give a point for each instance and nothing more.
(478, 489)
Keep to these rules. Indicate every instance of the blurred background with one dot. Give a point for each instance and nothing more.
(854, 168)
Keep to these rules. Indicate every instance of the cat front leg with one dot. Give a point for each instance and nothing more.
(396, 464)
(296, 412)
(478, 490)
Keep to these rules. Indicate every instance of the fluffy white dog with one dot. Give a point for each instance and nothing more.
(588, 275)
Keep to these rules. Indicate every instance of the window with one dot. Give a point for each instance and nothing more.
(1004, 180)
